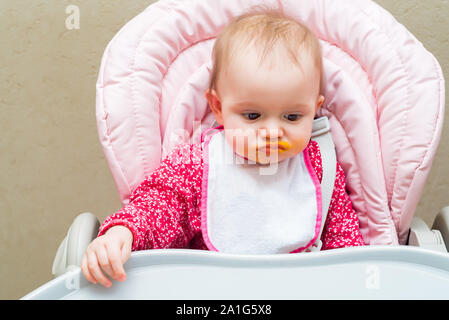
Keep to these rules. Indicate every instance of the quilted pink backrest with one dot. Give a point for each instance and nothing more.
(384, 98)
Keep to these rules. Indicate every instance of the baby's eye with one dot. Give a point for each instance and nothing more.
(293, 117)
(251, 115)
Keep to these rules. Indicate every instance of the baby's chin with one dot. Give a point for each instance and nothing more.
(261, 157)
(264, 159)
(269, 160)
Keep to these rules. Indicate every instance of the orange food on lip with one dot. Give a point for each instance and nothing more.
(282, 146)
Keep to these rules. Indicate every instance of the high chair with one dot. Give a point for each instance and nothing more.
(384, 101)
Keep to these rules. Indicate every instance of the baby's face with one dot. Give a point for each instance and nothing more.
(267, 111)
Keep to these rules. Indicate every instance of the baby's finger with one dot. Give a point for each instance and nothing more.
(85, 270)
(118, 273)
(103, 260)
(95, 270)
(125, 252)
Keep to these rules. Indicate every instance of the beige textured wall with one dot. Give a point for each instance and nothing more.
(52, 165)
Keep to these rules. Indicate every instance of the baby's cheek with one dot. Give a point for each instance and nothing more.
(298, 145)
(238, 143)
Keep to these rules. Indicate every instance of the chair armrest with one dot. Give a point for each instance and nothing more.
(441, 223)
(421, 236)
(71, 250)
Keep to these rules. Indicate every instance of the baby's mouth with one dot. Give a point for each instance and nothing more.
(280, 146)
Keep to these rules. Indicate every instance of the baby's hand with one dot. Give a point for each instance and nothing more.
(110, 251)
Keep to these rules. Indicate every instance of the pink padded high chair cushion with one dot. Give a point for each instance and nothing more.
(384, 98)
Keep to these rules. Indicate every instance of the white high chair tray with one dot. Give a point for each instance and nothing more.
(376, 272)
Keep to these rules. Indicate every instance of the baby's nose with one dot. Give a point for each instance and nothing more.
(271, 133)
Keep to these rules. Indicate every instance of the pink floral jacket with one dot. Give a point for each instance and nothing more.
(164, 210)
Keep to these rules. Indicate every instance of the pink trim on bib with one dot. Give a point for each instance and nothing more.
(317, 184)
(206, 239)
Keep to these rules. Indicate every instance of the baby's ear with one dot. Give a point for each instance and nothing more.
(215, 104)
(319, 103)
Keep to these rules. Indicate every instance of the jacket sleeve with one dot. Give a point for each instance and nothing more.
(163, 211)
(341, 228)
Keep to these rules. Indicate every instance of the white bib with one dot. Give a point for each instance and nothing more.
(249, 208)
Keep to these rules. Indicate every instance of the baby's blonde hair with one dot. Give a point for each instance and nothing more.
(264, 28)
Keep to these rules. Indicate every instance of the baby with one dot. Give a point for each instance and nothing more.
(264, 92)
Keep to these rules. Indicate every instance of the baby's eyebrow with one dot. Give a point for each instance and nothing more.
(299, 105)
(244, 103)
(249, 104)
